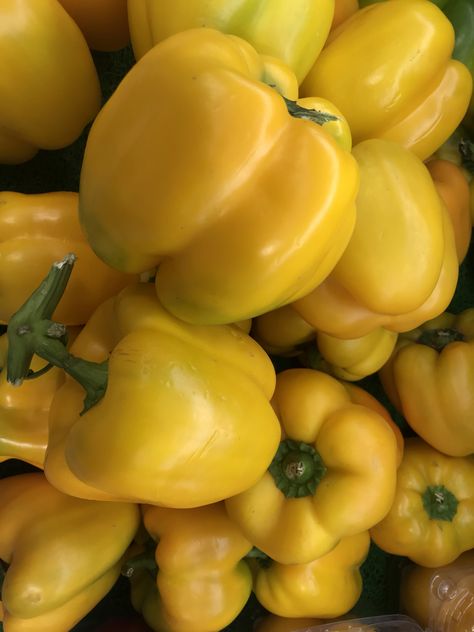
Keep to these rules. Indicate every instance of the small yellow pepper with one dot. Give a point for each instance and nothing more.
(201, 582)
(49, 88)
(431, 520)
(400, 267)
(63, 554)
(315, 491)
(429, 379)
(326, 587)
(389, 69)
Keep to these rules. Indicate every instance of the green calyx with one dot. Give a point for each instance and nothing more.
(315, 116)
(297, 469)
(32, 332)
(439, 503)
(439, 338)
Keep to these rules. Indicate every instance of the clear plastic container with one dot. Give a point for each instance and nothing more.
(441, 599)
(383, 623)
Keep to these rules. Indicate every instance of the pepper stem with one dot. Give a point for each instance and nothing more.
(31, 332)
(439, 338)
(297, 469)
(145, 561)
(439, 503)
(316, 116)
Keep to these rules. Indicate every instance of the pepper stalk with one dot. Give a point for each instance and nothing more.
(31, 331)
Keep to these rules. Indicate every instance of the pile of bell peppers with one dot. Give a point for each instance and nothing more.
(234, 357)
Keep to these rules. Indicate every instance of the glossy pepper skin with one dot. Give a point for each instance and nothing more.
(326, 587)
(453, 187)
(64, 554)
(49, 87)
(442, 597)
(202, 581)
(431, 520)
(401, 83)
(294, 33)
(429, 379)
(185, 419)
(24, 412)
(104, 23)
(400, 267)
(302, 506)
(275, 210)
(38, 229)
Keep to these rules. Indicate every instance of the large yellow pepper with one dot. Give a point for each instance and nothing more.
(202, 582)
(395, 75)
(63, 554)
(49, 89)
(440, 598)
(326, 587)
(430, 378)
(237, 223)
(431, 520)
(292, 31)
(400, 267)
(185, 419)
(316, 490)
(37, 230)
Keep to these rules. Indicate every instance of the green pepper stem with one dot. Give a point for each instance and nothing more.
(297, 469)
(439, 338)
(439, 503)
(31, 332)
(142, 561)
(315, 116)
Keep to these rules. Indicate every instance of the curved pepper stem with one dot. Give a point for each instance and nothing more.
(315, 116)
(297, 469)
(439, 503)
(32, 332)
(439, 338)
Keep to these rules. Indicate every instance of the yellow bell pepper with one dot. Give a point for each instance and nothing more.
(49, 88)
(440, 598)
(326, 587)
(201, 582)
(429, 379)
(400, 267)
(355, 358)
(104, 23)
(174, 414)
(24, 412)
(431, 520)
(316, 490)
(282, 331)
(453, 187)
(395, 75)
(62, 554)
(294, 32)
(38, 229)
(273, 212)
